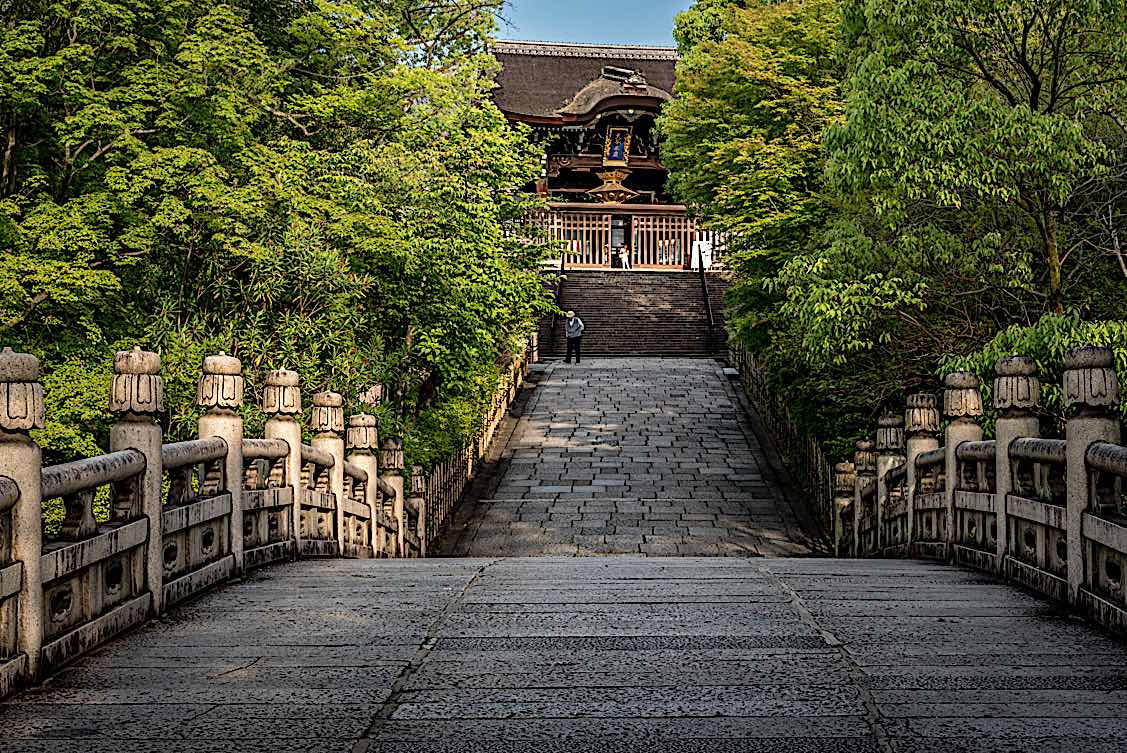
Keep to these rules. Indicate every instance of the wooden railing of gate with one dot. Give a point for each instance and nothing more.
(187, 516)
(657, 240)
(1047, 513)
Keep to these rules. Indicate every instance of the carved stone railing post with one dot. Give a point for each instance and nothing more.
(327, 423)
(1017, 392)
(865, 470)
(921, 431)
(1091, 393)
(281, 402)
(363, 444)
(890, 453)
(962, 404)
(843, 495)
(137, 397)
(418, 500)
(391, 471)
(21, 410)
(220, 392)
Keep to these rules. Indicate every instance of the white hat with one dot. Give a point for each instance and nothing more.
(571, 315)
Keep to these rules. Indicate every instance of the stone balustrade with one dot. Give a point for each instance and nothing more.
(184, 517)
(1048, 513)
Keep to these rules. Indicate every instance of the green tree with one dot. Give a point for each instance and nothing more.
(981, 168)
(321, 186)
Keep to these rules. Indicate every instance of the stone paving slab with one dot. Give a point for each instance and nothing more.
(606, 655)
(641, 457)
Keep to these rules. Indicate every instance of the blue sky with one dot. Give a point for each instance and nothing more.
(593, 21)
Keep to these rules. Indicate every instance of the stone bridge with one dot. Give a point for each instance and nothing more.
(562, 624)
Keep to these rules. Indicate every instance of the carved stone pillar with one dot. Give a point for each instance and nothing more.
(327, 423)
(1091, 394)
(890, 453)
(921, 430)
(21, 410)
(865, 470)
(418, 501)
(137, 397)
(220, 392)
(962, 404)
(1017, 392)
(281, 402)
(843, 495)
(391, 471)
(363, 444)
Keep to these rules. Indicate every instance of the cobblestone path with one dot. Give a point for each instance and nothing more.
(631, 456)
(593, 655)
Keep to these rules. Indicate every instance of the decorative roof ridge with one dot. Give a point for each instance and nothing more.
(584, 50)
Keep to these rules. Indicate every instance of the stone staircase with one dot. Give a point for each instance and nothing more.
(640, 312)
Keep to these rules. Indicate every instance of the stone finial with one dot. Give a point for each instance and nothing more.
(844, 479)
(961, 395)
(1090, 382)
(865, 458)
(21, 394)
(137, 386)
(221, 384)
(363, 436)
(418, 481)
(1017, 390)
(372, 396)
(391, 455)
(282, 394)
(890, 434)
(922, 414)
(328, 413)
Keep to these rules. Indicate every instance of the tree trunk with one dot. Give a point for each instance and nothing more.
(1052, 258)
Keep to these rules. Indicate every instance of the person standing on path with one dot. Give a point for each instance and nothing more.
(574, 331)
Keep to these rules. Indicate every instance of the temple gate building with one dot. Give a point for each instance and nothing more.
(593, 109)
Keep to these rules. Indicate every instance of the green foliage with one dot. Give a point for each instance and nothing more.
(1046, 342)
(318, 186)
(703, 22)
(973, 181)
(743, 138)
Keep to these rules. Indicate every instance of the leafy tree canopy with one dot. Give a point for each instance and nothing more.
(320, 186)
(946, 179)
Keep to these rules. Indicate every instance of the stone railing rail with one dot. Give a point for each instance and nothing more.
(1049, 514)
(187, 516)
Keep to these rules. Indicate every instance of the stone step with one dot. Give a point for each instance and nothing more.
(642, 313)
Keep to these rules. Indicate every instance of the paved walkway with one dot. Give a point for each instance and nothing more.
(593, 655)
(631, 456)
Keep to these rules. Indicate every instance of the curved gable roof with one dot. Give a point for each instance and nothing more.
(548, 81)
